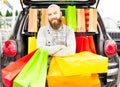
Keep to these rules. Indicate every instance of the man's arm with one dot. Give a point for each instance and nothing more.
(41, 43)
(71, 45)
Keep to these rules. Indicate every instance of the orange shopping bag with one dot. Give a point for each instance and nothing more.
(63, 19)
(75, 70)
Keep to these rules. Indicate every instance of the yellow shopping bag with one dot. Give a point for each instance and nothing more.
(31, 44)
(82, 63)
(75, 70)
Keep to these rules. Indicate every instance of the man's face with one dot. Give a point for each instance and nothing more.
(54, 17)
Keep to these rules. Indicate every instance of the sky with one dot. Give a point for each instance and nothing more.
(110, 8)
(107, 8)
(15, 4)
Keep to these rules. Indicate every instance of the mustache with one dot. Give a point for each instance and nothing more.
(55, 25)
(54, 19)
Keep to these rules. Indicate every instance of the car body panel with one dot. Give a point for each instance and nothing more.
(113, 30)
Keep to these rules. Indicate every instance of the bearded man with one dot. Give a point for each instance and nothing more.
(56, 37)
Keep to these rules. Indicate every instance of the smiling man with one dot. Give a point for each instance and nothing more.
(56, 37)
(54, 16)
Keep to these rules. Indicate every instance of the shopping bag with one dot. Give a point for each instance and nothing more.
(31, 44)
(91, 44)
(39, 78)
(85, 43)
(81, 20)
(91, 20)
(24, 77)
(32, 20)
(63, 19)
(71, 17)
(12, 70)
(75, 70)
(44, 17)
(34, 73)
(82, 63)
(73, 81)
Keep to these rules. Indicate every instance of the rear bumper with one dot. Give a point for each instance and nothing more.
(113, 74)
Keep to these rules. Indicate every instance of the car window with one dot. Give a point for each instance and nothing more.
(110, 23)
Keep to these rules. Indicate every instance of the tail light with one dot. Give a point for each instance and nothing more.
(10, 48)
(110, 47)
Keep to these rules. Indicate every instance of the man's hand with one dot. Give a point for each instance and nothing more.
(62, 47)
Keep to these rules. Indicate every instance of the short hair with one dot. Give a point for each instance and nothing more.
(54, 5)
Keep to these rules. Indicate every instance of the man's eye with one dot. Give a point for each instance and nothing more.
(49, 14)
(55, 12)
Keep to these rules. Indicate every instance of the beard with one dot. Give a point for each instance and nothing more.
(55, 23)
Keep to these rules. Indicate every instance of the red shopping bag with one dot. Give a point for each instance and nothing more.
(80, 41)
(12, 70)
(85, 43)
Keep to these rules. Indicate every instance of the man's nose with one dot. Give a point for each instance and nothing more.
(52, 16)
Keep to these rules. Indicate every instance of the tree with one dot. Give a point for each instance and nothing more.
(8, 13)
(16, 13)
(0, 13)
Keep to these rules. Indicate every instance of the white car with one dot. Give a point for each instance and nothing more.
(113, 30)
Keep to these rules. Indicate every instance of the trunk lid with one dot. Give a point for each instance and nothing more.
(61, 3)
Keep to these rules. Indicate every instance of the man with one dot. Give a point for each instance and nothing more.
(57, 38)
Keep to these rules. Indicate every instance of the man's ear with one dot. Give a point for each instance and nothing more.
(61, 13)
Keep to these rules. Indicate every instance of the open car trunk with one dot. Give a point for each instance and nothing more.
(35, 13)
(62, 3)
(98, 37)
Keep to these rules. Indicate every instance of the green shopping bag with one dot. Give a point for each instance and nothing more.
(71, 17)
(24, 77)
(39, 78)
